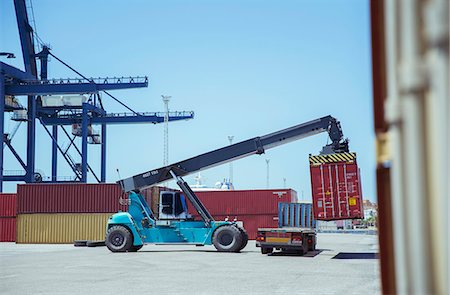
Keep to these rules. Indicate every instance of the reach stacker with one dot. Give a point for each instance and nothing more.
(129, 231)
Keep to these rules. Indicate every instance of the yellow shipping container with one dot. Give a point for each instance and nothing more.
(60, 228)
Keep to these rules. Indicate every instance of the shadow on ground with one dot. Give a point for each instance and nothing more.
(309, 254)
(356, 255)
(187, 250)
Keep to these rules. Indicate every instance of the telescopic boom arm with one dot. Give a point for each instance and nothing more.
(239, 150)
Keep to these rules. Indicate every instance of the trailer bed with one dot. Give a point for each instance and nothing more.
(297, 239)
(288, 229)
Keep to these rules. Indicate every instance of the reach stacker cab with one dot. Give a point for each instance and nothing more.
(129, 231)
(173, 205)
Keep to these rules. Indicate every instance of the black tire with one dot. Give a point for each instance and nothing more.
(80, 243)
(305, 245)
(312, 245)
(95, 243)
(227, 238)
(266, 250)
(119, 239)
(244, 238)
(135, 248)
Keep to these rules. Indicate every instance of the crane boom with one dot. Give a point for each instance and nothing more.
(256, 145)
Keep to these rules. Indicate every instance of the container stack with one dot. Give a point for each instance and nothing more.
(336, 187)
(62, 213)
(255, 208)
(8, 205)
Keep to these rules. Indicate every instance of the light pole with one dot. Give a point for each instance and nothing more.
(267, 177)
(166, 99)
(284, 182)
(230, 138)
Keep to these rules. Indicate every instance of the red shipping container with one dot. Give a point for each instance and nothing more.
(244, 202)
(69, 198)
(8, 205)
(7, 229)
(336, 187)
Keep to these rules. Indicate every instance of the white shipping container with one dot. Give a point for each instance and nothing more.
(74, 100)
(52, 101)
(326, 225)
(63, 100)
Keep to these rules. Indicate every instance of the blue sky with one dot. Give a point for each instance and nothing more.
(246, 68)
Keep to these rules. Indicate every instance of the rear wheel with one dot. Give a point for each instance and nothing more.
(305, 245)
(266, 250)
(311, 243)
(227, 238)
(244, 237)
(119, 239)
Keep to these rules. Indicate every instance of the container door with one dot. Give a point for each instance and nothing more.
(322, 191)
(342, 197)
(336, 187)
(329, 192)
(353, 191)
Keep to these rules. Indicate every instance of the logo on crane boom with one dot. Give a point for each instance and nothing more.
(150, 173)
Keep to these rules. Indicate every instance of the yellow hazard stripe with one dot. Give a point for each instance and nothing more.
(332, 158)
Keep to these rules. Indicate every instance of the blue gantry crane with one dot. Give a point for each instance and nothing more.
(56, 103)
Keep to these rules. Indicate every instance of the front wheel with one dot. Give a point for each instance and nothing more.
(227, 238)
(119, 239)
(244, 238)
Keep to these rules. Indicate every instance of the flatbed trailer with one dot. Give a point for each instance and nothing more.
(294, 239)
(295, 232)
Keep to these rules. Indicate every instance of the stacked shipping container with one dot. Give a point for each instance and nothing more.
(61, 228)
(255, 208)
(62, 213)
(8, 204)
(69, 198)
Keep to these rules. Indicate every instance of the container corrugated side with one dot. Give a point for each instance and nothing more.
(69, 198)
(336, 187)
(296, 215)
(7, 229)
(60, 228)
(8, 205)
(244, 202)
